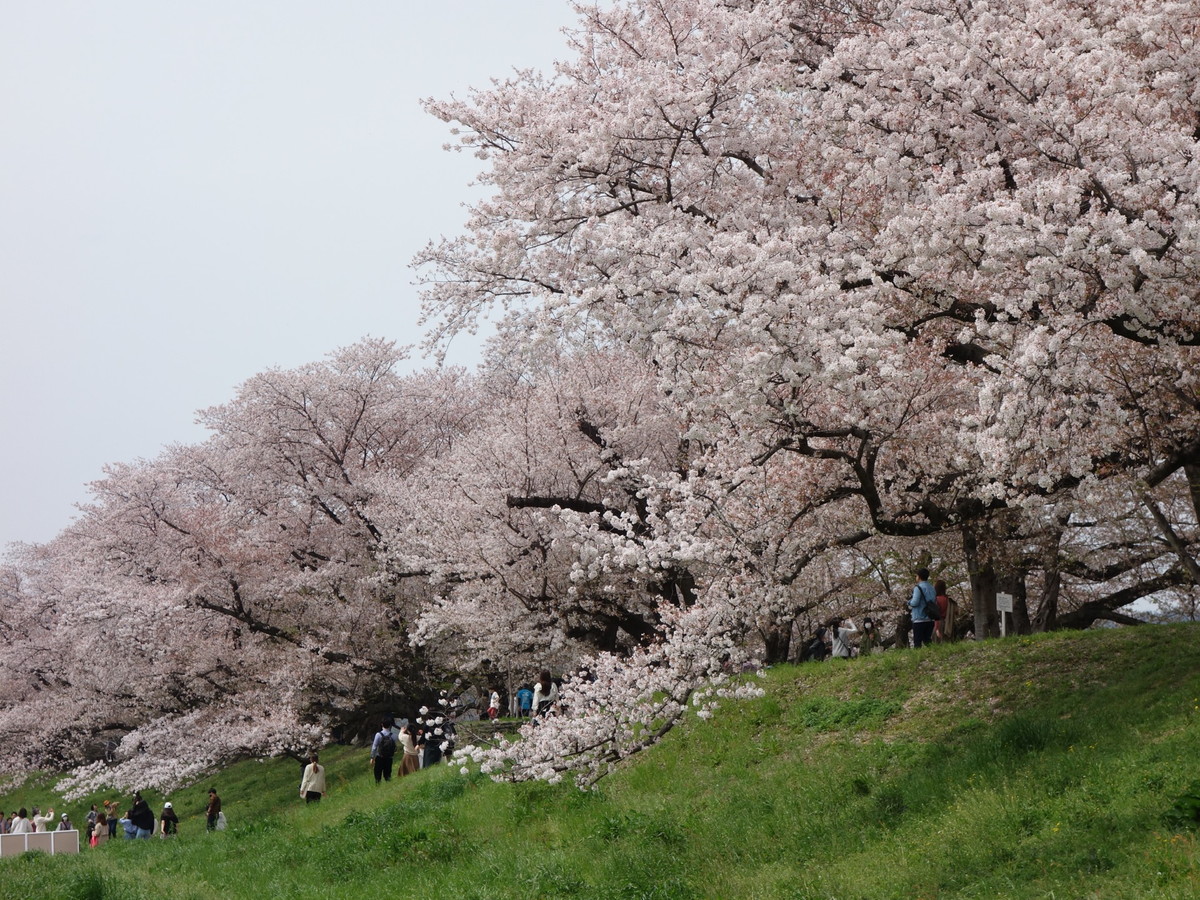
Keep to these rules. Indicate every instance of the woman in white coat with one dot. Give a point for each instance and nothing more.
(841, 629)
(545, 692)
(312, 783)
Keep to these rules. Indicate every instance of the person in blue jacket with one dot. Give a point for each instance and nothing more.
(922, 594)
(524, 701)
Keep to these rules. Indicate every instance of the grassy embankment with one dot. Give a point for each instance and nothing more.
(1035, 767)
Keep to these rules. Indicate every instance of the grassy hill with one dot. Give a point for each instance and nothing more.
(1056, 766)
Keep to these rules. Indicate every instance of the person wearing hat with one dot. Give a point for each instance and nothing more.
(64, 824)
(168, 822)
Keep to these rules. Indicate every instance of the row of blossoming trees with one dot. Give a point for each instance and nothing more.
(791, 297)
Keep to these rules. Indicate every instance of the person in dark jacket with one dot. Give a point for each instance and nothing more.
(142, 817)
(816, 649)
(383, 750)
(213, 810)
(168, 822)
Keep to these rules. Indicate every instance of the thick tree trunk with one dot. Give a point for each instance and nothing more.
(1192, 471)
(1047, 614)
(1014, 584)
(903, 629)
(983, 582)
(777, 640)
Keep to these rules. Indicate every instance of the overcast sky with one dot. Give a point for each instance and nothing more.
(193, 192)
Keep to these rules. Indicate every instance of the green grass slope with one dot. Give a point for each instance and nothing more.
(1063, 765)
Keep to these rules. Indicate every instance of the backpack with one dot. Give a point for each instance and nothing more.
(931, 608)
(935, 612)
(387, 745)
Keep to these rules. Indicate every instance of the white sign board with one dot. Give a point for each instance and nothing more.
(1003, 605)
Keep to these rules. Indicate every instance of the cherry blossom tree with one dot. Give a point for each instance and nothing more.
(927, 266)
(507, 522)
(792, 297)
(901, 236)
(232, 589)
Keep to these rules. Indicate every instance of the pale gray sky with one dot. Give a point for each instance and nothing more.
(193, 192)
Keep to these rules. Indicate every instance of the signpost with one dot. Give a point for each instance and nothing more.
(1004, 604)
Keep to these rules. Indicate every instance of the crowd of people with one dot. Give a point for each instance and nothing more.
(102, 823)
(929, 608)
(530, 700)
(23, 821)
(420, 745)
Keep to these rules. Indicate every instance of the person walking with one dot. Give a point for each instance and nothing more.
(383, 750)
(545, 692)
(213, 811)
(524, 701)
(432, 753)
(943, 628)
(312, 782)
(923, 596)
(409, 763)
(421, 739)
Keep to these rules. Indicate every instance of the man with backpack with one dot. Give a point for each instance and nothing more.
(925, 612)
(383, 750)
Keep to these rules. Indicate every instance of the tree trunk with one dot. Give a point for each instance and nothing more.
(903, 629)
(1192, 471)
(983, 581)
(1014, 584)
(777, 640)
(1047, 615)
